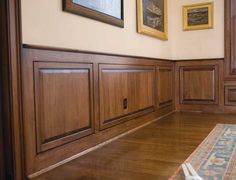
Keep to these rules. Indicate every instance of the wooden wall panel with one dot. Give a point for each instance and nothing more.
(230, 39)
(10, 85)
(230, 95)
(165, 86)
(230, 56)
(75, 100)
(2, 147)
(125, 90)
(63, 97)
(16, 114)
(199, 84)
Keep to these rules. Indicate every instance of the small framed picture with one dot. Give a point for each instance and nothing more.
(152, 18)
(107, 11)
(198, 16)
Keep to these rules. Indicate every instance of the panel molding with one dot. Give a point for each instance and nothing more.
(230, 40)
(213, 93)
(230, 95)
(10, 80)
(128, 77)
(165, 83)
(52, 75)
(63, 63)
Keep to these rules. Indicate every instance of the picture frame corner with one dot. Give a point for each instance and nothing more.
(150, 30)
(198, 26)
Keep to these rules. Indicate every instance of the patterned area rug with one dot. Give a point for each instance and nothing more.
(215, 157)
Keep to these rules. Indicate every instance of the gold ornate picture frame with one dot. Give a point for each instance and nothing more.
(152, 17)
(198, 16)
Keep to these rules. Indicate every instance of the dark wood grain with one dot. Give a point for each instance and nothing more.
(2, 147)
(17, 143)
(230, 55)
(64, 103)
(120, 83)
(230, 95)
(165, 86)
(115, 78)
(230, 39)
(74, 100)
(199, 86)
(10, 55)
(149, 153)
(3, 54)
(50, 48)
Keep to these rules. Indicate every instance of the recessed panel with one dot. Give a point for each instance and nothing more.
(125, 90)
(165, 86)
(230, 95)
(198, 84)
(63, 103)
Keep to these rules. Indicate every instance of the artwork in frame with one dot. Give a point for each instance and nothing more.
(198, 16)
(107, 11)
(152, 18)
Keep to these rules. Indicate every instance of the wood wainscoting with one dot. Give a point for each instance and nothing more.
(75, 100)
(199, 85)
(230, 40)
(230, 56)
(125, 90)
(60, 89)
(230, 95)
(165, 82)
(2, 147)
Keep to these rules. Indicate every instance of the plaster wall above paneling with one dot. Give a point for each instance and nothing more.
(44, 23)
(199, 44)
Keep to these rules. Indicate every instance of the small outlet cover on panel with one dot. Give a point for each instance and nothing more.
(125, 103)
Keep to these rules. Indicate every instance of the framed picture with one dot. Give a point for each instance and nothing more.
(152, 18)
(198, 16)
(107, 11)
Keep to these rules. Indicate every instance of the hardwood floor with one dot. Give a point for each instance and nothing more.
(153, 152)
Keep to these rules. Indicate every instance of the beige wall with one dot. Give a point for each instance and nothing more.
(197, 44)
(44, 23)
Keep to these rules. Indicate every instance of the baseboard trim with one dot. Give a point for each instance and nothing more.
(95, 147)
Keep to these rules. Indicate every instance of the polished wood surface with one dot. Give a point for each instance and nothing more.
(10, 84)
(3, 52)
(143, 90)
(18, 144)
(63, 97)
(12, 100)
(153, 152)
(125, 90)
(230, 95)
(73, 101)
(199, 84)
(230, 39)
(165, 86)
(2, 147)
(230, 58)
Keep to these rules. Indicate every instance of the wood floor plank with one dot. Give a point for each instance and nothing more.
(153, 152)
